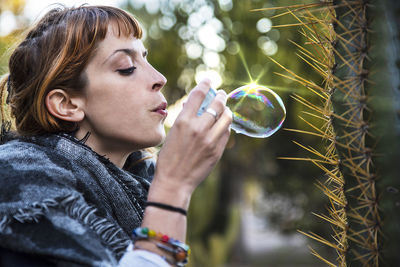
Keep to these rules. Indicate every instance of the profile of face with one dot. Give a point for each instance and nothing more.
(124, 108)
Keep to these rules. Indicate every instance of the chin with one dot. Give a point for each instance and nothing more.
(160, 140)
(153, 138)
(161, 136)
(157, 140)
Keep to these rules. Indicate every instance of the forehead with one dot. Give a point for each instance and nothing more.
(115, 40)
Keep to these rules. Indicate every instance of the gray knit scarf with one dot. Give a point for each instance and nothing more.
(60, 199)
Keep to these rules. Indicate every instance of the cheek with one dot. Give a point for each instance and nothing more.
(104, 98)
(105, 107)
(114, 103)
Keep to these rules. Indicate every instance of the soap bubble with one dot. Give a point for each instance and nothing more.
(257, 111)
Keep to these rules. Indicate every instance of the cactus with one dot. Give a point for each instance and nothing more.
(347, 44)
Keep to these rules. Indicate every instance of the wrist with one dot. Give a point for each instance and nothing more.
(167, 207)
(169, 193)
(172, 250)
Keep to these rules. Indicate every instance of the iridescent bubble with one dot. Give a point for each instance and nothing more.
(257, 111)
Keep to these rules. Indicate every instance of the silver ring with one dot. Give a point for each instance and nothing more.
(212, 112)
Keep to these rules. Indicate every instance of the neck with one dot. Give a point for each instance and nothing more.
(116, 155)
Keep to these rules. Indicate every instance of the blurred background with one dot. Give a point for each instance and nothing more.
(248, 212)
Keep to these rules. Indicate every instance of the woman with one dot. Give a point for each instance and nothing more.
(86, 103)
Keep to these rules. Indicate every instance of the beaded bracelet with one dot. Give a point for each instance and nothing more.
(179, 250)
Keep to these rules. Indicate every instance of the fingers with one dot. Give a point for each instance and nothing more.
(216, 108)
(221, 132)
(222, 125)
(223, 140)
(196, 97)
(217, 117)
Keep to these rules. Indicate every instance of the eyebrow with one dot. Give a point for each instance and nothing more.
(130, 52)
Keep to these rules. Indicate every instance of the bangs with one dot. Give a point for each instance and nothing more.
(97, 20)
(126, 24)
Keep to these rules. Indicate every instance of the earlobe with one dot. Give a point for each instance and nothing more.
(62, 105)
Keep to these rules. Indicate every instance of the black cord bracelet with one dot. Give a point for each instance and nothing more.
(166, 207)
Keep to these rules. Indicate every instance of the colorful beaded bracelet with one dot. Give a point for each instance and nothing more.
(179, 250)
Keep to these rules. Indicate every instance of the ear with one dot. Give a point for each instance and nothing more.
(62, 105)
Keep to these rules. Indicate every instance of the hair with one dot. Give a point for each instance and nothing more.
(53, 55)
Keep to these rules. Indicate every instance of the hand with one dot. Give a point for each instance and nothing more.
(193, 145)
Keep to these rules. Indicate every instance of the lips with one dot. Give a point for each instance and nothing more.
(161, 109)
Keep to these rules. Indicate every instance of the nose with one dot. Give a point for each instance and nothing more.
(159, 79)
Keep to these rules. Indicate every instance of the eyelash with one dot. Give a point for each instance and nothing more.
(126, 72)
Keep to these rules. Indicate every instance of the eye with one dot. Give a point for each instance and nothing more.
(126, 72)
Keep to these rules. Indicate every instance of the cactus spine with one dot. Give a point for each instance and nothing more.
(338, 47)
(352, 127)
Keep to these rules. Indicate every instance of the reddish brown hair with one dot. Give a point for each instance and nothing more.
(54, 55)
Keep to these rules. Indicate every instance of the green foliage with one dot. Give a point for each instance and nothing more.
(210, 246)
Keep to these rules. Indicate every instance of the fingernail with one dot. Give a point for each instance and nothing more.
(222, 91)
(206, 80)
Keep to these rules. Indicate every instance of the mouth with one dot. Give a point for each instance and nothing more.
(161, 109)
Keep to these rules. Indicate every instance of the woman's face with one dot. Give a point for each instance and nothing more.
(123, 104)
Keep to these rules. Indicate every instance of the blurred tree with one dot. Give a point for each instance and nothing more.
(14, 6)
(229, 43)
(10, 10)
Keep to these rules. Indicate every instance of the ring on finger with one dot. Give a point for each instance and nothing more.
(212, 112)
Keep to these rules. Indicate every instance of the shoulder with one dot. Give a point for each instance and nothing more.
(39, 192)
(26, 148)
(27, 168)
(24, 155)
